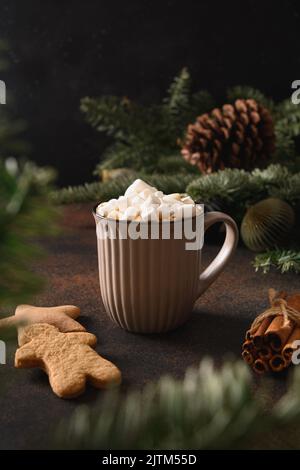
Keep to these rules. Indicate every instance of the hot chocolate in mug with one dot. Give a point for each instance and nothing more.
(150, 279)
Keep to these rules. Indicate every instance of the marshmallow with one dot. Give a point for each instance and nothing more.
(123, 203)
(130, 213)
(152, 200)
(186, 211)
(187, 199)
(143, 202)
(101, 211)
(114, 215)
(165, 211)
(146, 193)
(150, 213)
(172, 198)
(109, 206)
(136, 201)
(137, 187)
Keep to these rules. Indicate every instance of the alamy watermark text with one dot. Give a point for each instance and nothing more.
(2, 92)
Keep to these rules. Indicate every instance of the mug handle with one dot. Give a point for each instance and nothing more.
(223, 257)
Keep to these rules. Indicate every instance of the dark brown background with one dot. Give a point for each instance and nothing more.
(62, 50)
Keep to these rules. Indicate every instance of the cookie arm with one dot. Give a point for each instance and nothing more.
(21, 308)
(71, 310)
(66, 385)
(26, 357)
(83, 338)
(66, 324)
(102, 373)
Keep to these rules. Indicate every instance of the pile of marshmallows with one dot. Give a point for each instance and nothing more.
(142, 202)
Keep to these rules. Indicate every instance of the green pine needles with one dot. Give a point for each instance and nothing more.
(239, 189)
(25, 212)
(247, 92)
(283, 260)
(103, 191)
(236, 189)
(144, 138)
(209, 409)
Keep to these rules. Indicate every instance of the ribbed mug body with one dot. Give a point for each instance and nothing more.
(147, 285)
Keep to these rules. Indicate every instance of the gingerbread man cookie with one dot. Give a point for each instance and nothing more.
(63, 317)
(67, 358)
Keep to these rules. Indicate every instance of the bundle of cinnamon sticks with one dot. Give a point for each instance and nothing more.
(270, 342)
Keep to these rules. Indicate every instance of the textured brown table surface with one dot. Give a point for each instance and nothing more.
(28, 408)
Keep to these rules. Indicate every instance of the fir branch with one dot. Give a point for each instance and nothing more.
(283, 260)
(287, 129)
(247, 92)
(140, 135)
(176, 183)
(289, 190)
(143, 135)
(273, 175)
(181, 106)
(108, 114)
(286, 116)
(225, 185)
(122, 155)
(178, 97)
(25, 212)
(231, 188)
(208, 409)
(201, 102)
(238, 188)
(92, 192)
(103, 191)
(286, 109)
(174, 164)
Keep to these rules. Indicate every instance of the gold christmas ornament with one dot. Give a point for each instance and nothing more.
(239, 135)
(267, 224)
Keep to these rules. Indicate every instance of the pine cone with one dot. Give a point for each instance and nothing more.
(234, 136)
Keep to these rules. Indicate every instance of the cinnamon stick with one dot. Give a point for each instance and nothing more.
(258, 336)
(290, 347)
(260, 366)
(277, 363)
(248, 335)
(247, 345)
(278, 332)
(265, 352)
(271, 346)
(294, 301)
(248, 357)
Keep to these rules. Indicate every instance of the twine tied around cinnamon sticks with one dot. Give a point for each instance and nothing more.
(270, 341)
(279, 306)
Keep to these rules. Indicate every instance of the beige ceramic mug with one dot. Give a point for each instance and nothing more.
(150, 285)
